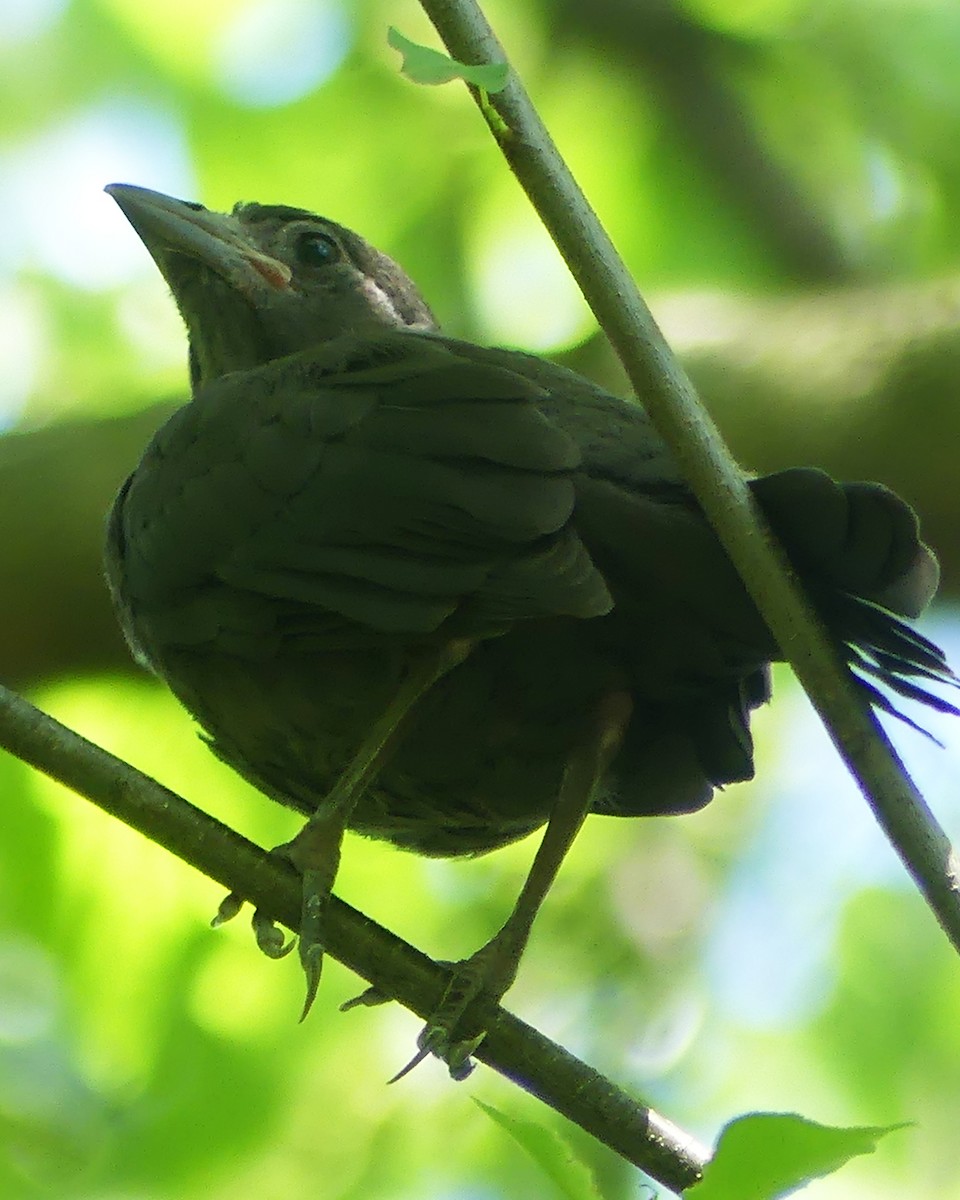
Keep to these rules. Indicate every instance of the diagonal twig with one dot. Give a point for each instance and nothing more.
(711, 471)
(393, 967)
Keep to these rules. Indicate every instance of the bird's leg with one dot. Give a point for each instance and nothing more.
(315, 850)
(492, 969)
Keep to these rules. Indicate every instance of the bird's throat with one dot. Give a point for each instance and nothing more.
(226, 331)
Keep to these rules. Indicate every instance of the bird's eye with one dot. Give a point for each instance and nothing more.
(316, 249)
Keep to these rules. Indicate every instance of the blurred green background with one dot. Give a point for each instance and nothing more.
(784, 178)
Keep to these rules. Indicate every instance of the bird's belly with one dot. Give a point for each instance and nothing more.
(480, 757)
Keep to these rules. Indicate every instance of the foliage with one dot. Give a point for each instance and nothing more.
(766, 953)
(764, 1156)
(423, 65)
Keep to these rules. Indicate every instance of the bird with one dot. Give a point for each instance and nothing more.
(446, 594)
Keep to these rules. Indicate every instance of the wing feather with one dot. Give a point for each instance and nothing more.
(391, 487)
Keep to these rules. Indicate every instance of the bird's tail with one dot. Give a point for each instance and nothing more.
(883, 650)
(858, 548)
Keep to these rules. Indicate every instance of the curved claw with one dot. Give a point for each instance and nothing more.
(417, 1059)
(316, 898)
(311, 959)
(270, 938)
(230, 905)
(435, 1039)
(369, 998)
(459, 1057)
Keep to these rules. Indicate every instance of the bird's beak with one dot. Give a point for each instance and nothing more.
(170, 228)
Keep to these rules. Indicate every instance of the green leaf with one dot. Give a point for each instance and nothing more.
(423, 65)
(571, 1179)
(764, 1156)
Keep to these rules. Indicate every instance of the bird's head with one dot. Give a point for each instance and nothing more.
(264, 281)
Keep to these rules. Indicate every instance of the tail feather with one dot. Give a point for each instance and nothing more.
(881, 647)
(888, 664)
(881, 701)
(857, 547)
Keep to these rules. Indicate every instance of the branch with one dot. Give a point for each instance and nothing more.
(882, 359)
(396, 969)
(58, 483)
(711, 471)
(681, 62)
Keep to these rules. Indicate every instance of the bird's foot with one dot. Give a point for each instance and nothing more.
(271, 939)
(315, 852)
(370, 997)
(455, 1030)
(436, 1037)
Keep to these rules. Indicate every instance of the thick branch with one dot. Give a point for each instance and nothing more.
(395, 968)
(57, 484)
(860, 381)
(710, 469)
(660, 45)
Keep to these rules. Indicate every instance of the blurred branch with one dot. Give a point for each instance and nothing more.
(395, 968)
(57, 484)
(711, 471)
(688, 68)
(861, 381)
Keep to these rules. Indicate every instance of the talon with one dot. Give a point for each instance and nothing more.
(461, 1071)
(311, 959)
(230, 905)
(369, 998)
(459, 1057)
(432, 1038)
(316, 894)
(414, 1062)
(435, 1039)
(270, 938)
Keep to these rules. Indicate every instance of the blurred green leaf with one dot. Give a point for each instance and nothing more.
(143, 1053)
(424, 65)
(570, 1179)
(765, 1156)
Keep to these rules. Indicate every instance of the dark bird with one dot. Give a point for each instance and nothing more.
(443, 594)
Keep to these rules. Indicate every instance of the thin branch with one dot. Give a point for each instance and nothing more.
(395, 968)
(712, 473)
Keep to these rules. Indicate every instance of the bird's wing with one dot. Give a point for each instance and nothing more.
(855, 546)
(391, 483)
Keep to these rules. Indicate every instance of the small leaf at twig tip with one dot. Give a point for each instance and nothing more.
(765, 1156)
(423, 65)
